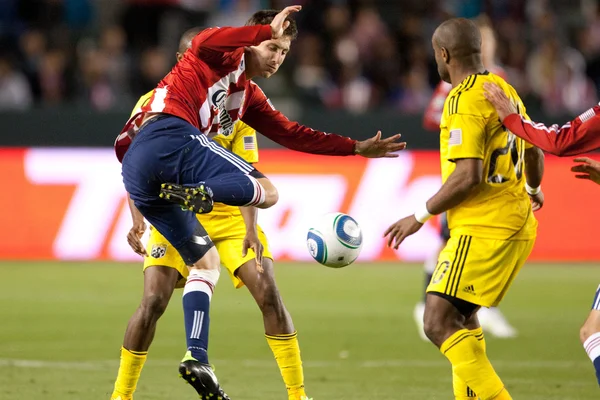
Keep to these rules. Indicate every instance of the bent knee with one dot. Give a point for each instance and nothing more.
(154, 304)
(271, 196)
(209, 261)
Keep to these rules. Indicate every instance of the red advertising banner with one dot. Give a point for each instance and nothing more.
(70, 204)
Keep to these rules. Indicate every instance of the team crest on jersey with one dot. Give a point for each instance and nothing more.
(158, 250)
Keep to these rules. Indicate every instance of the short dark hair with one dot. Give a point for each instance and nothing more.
(265, 17)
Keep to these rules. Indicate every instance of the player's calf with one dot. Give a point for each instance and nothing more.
(590, 334)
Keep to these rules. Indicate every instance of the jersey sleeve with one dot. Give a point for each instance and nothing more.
(466, 137)
(229, 39)
(244, 142)
(140, 103)
(578, 136)
(262, 116)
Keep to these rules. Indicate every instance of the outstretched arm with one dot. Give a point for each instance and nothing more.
(459, 185)
(262, 116)
(576, 137)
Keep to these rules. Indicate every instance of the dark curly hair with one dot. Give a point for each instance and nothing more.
(265, 17)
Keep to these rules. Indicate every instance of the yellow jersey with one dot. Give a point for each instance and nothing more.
(242, 142)
(499, 207)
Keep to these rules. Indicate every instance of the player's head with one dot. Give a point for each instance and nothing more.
(186, 41)
(488, 40)
(266, 58)
(456, 44)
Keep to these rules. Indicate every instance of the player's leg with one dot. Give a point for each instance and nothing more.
(183, 231)
(428, 268)
(471, 272)
(279, 329)
(590, 334)
(159, 284)
(216, 174)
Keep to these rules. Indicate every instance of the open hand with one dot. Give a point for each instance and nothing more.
(588, 169)
(400, 230)
(499, 100)
(134, 238)
(279, 24)
(251, 241)
(376, 147)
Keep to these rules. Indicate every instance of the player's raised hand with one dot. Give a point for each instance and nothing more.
(588, 169)
(376, 147)
(499, 100)
(400, 230)
(134, 238)
(251, 241)
(279, 24)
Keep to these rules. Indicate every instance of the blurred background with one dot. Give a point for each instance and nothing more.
(72, 70)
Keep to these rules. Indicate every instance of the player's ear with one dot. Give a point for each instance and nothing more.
(445, 54)
(178, 55)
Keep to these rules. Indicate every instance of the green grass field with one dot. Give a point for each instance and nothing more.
(61, 327)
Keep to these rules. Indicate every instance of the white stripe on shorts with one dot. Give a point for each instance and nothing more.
(215, 148)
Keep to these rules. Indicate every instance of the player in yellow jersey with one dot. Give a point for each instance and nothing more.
(233, 231)
(490, 181)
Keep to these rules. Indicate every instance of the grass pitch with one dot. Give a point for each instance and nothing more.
(62, 324)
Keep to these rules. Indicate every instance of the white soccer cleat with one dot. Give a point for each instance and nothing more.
(495, 323)
(418, 313)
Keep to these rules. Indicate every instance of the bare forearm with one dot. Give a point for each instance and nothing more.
(136, 215)
(453, 192)
(534, 166)
(250, 216)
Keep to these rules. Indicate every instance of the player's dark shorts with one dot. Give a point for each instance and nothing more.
(169, 149)
(444, 230)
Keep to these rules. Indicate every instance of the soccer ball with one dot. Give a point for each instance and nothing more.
(335, 240)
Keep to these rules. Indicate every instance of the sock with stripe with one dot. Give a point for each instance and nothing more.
(470, 363)
(236, 190)
(592, 348)
(461, 390)
(196, 305)
(286, 350)
(128, 376)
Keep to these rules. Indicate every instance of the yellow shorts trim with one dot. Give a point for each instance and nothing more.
(227, 233)
(479, 270)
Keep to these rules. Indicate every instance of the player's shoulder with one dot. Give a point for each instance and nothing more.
(468, 97)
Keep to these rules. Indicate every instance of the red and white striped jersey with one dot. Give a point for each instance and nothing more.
(208, 88)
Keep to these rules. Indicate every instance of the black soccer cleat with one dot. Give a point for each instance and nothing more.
(196, 198)
(203, 379)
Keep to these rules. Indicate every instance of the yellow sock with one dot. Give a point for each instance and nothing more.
(287, 354)
(471, 364)
(461, 390)
(130, 369)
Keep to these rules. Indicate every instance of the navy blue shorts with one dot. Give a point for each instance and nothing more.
(170, 150)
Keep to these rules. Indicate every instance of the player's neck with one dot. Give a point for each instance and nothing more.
(458, 74)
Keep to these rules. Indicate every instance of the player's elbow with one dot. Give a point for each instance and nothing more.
(472, 179)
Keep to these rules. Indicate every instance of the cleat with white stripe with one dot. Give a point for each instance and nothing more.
(197, 199)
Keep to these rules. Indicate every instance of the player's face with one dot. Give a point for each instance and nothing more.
(269, 55)
(440, 60)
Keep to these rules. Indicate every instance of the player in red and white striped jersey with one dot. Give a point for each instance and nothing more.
(578, 136)
(491, 319)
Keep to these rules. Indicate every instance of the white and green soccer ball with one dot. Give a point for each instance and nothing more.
(335, 240)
